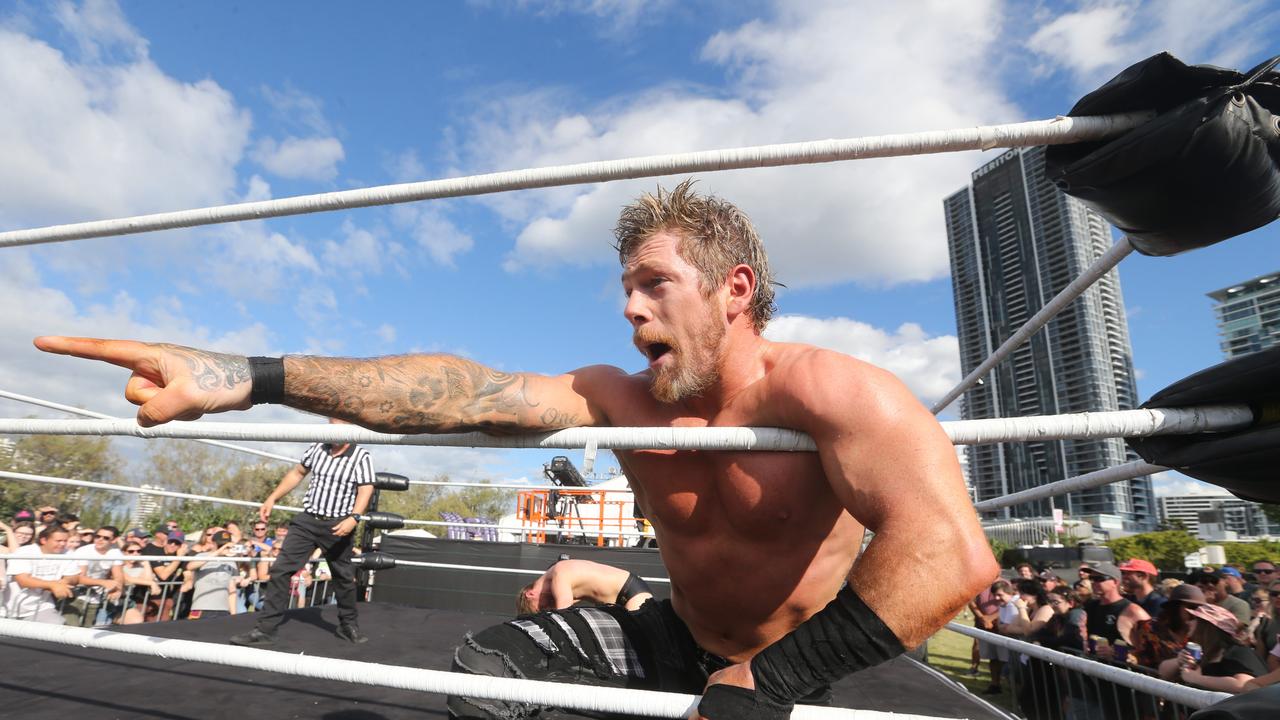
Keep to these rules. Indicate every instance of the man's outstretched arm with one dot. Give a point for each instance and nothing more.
(407, 393)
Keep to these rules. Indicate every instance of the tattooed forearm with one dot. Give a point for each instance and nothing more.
(213, 371)
(420, 393)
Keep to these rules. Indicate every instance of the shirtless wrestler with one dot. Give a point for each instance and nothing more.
(767, 603)
(572, 581)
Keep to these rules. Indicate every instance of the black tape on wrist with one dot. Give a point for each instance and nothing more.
(842, 638)
(266, 378)
(730, 702)
(631, 588)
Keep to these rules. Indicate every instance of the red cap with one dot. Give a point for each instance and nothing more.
(1139, 565)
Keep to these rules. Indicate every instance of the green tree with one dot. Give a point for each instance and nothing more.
(1166, 548)
(189, 467)
(1245, 554)
(65, 456)
(427, 502)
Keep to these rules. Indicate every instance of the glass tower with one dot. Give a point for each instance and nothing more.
(1015, 241)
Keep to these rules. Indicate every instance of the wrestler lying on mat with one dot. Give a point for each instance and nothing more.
(767, 602)
(570, 582)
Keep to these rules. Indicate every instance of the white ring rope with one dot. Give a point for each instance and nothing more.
(1096, 425)
(575, 697)
(137, 491)
(513, 530)
(583, 530)
(1122, 423)
(293, 461)
(1037, 132)
(1077, 287)
(89, 413)
(1087, 481)
(619, 438)
(483, 568)
(571, 489)
(1181, 694)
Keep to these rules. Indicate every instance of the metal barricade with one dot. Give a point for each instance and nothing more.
(1052, 685)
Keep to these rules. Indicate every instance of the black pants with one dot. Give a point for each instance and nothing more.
(306, 533)
(649, 649)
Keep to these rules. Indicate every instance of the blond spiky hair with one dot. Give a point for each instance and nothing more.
(714, 235)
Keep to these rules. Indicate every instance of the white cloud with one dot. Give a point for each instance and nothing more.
(433, 231)
(386, 332)
(406, 167)
(1103, 37)
(359, 252)
(98, 27)
(317, 306)
(84, 140)
(871, 68)
(615, 17)
(48, 311)
(297, 109)
(312, 158)
(1175, 483)
(930, 366)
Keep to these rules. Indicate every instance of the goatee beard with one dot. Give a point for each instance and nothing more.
(692, 374)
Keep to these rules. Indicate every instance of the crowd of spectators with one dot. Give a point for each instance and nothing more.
(1217, 630)
(58, 570)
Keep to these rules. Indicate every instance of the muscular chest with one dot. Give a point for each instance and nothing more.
(758, 494)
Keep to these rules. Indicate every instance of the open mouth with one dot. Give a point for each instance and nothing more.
(656, 350)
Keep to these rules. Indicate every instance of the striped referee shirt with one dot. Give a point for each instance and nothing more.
(334, 479)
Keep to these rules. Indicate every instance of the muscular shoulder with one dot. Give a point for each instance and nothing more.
(824, 388)
(612, 393)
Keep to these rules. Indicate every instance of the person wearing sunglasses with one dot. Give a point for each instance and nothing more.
(101, 577)
(140, 580)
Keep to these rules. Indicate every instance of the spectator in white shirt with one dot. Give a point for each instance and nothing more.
(39, 576)
(101, 575)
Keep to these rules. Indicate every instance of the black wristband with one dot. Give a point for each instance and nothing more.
(266, 378)
(730, 702)
(631, 588)
(842, 638)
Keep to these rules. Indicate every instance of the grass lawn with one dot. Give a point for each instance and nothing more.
(950, 653)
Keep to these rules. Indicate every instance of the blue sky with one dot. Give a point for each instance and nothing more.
(121, 108)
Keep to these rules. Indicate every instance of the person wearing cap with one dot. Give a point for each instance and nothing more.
(1155, 641)
(1137, 580)
(162, 606)
(1235, 582)
(46, 516)
(1111, 616)
(1051, 581)
(1214, 585)
(1226, 663)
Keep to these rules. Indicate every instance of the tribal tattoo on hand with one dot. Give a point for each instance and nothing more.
(212, 371)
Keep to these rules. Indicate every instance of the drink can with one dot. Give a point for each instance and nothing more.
(1193, 649)
(1121, 650)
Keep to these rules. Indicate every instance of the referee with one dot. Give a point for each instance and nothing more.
(340, 489)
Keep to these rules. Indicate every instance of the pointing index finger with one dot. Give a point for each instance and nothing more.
(125, 353)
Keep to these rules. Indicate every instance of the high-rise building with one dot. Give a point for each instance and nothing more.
(1248, 315)
(1242, 517)
(145, 507)
(1015, 242)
